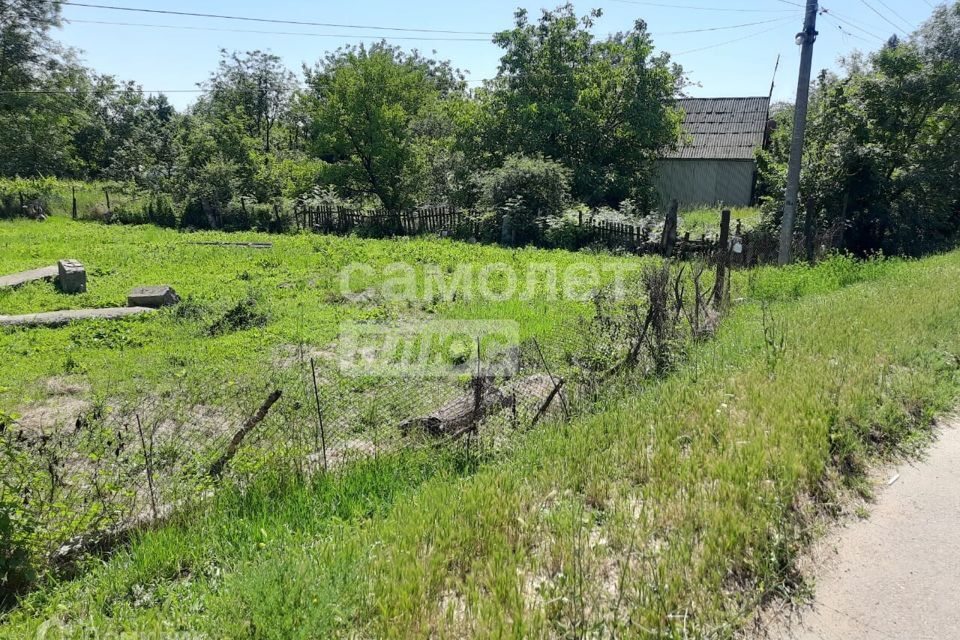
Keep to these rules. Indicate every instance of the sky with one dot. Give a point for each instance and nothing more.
(725, 62)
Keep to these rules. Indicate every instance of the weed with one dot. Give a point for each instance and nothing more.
(247, 313)
(774, 336)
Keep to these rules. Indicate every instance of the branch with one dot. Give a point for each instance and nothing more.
(216, 469)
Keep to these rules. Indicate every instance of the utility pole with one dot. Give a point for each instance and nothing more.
(806, 38)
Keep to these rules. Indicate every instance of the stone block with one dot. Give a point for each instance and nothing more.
(153, 297)
(71, 277)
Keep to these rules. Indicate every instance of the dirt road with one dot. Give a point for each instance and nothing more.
(897, 573)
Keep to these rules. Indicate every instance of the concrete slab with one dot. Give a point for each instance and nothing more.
(60, 318)
(33, 275)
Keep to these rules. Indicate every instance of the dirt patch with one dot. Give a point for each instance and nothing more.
(67, 400)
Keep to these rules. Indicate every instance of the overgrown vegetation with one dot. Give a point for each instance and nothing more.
(679, 506)
(881, 161)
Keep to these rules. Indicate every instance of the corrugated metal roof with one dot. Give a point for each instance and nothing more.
(721, 128)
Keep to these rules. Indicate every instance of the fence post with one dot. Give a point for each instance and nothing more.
(808, 228)
(148, 462)
(107, 194)
(478, 384)
(669, 238)
(73, 212)
(23, 206)
(723, 258)
(320, 433)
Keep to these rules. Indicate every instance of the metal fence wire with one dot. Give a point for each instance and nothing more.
(96, 470)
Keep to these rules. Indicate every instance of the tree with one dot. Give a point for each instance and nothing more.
(881, 159)
(253, 87)
(25, 43)
(364, 105)
(601, 107)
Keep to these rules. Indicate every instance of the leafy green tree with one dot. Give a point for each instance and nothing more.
(601, 107)
(881, 157)
(369, 110)
(25, 43)
(253, 88)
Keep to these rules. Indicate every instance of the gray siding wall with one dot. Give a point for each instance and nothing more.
(706, 182)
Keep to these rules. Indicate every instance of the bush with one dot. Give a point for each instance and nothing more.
(569, 235)
(528, 189)
(161, 211)
(35, 192)
(245, 314)
(16, 524)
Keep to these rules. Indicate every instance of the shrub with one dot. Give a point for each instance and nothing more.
(528, 189)
(35, 192)
(161, 211)
(569, 235)
(245, 314)
(16, 524)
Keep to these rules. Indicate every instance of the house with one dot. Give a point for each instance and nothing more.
(715, 161)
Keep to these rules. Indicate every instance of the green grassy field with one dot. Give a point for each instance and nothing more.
(296, 286)
(673, 510)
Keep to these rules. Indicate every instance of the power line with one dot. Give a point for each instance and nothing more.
(746, 37)
(281, 33)
(828, 12)
(732, 26)
(343, 35)
(269, 20)
(93, 90)
(885, 18)
(849, 33)
(899, 17)
(644, 3)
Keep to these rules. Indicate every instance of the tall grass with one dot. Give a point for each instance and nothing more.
(672, 512)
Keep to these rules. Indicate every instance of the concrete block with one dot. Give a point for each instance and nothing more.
(154, 297)
(71, 277)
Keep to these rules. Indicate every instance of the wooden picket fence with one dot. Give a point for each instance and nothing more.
(328, 218)
(639, 239)
(448, 220)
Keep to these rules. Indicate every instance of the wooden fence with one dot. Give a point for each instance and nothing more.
(639, 239)
(326, 218)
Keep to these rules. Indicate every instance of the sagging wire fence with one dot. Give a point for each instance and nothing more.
(85, 473)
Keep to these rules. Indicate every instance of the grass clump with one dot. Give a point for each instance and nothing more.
(247, 313)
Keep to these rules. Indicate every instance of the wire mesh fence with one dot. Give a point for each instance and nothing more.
(87, 472)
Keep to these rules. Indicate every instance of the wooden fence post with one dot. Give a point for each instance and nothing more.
(808, 228)
(669, 238)
(73, 212)
(723, 258)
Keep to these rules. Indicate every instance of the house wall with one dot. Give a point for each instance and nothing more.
(706, 182)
